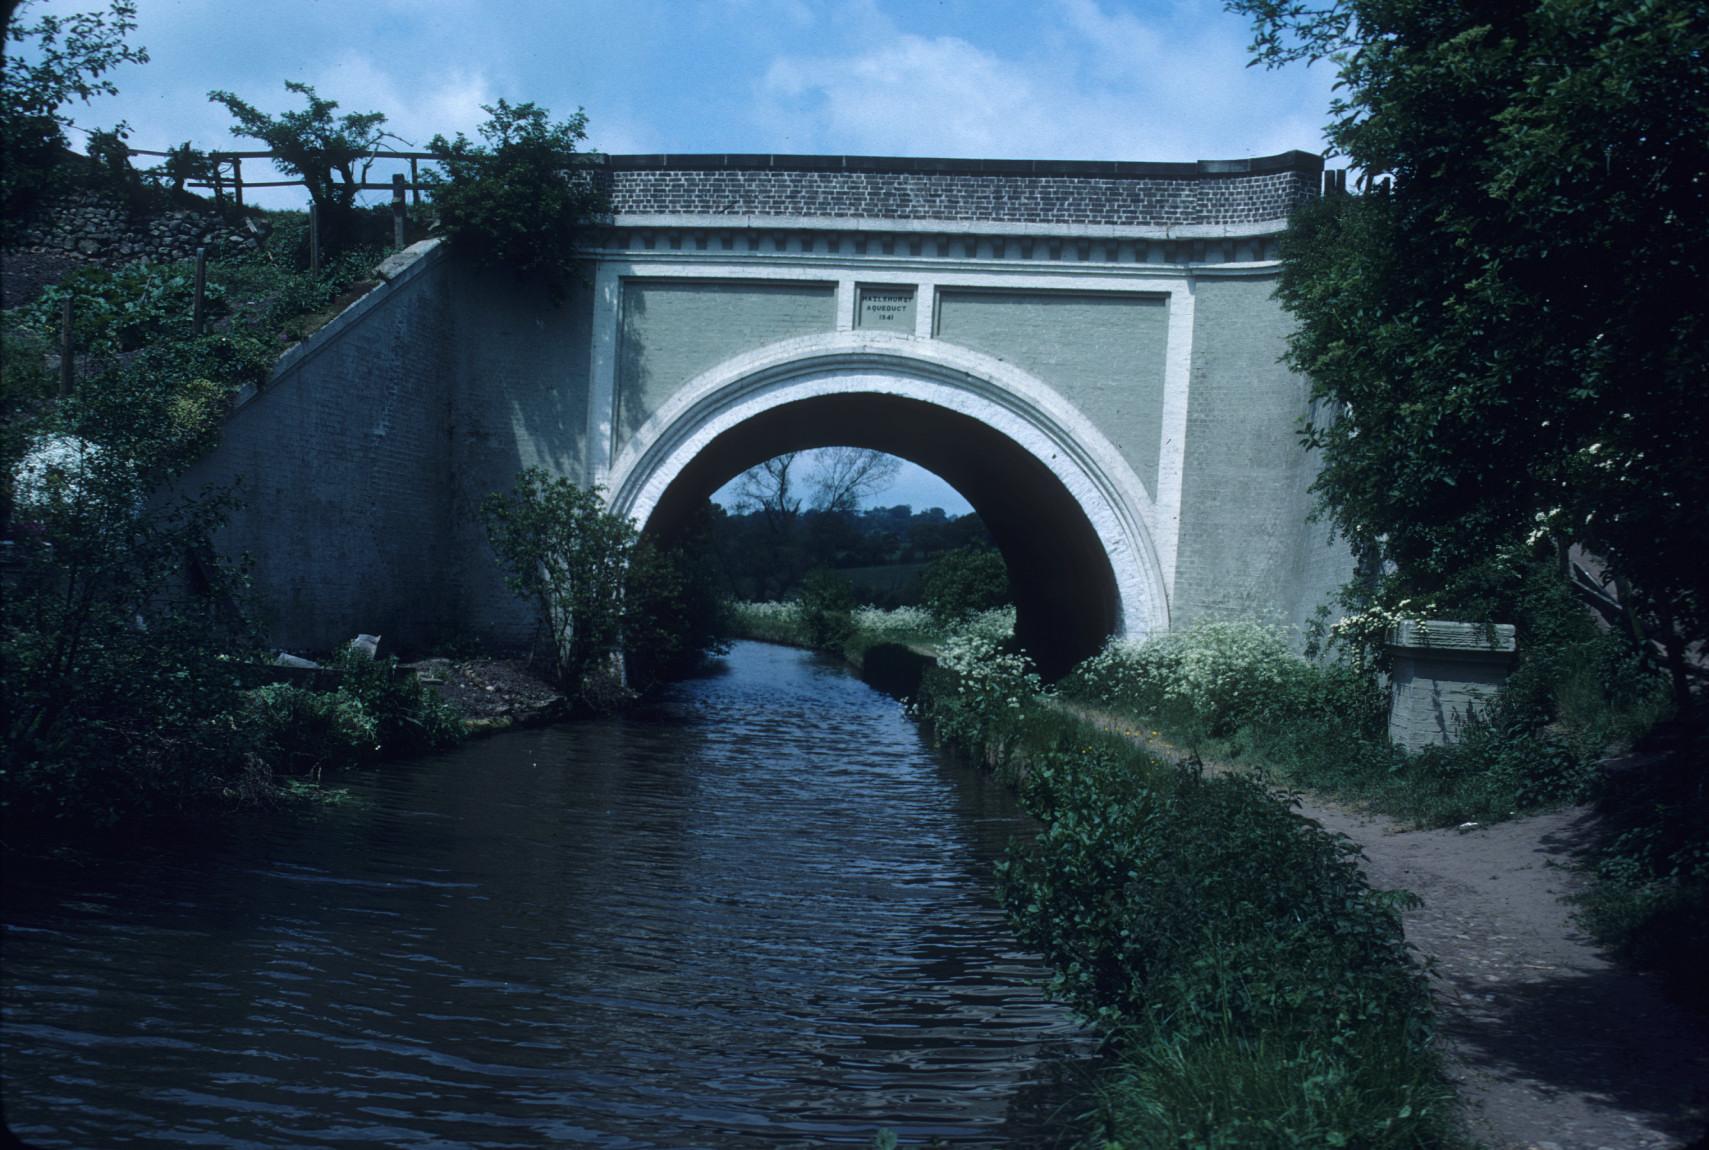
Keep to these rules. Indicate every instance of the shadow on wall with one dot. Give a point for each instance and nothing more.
(519, 398)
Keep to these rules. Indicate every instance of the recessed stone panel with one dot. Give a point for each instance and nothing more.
(885, 307)
(1102, 351)
(672, 330)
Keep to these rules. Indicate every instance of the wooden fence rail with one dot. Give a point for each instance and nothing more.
(224, 162)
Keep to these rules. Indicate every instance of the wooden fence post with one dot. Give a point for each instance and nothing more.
(67, 365)
(398, 210)
(237, 180)
(414, 182)
(219, 181)
(201, 287)
(314, 238)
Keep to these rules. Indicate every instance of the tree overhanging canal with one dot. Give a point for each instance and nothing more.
(760, 913)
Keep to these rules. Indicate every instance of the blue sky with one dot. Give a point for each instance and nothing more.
(1049, 79)
(1068, 79)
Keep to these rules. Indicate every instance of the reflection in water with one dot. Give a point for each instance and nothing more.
(757, 914)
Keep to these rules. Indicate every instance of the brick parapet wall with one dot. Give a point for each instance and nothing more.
(1016, 192)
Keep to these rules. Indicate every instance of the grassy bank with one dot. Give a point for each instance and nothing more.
(1235, 694)
(1256, 991)
(126, 641)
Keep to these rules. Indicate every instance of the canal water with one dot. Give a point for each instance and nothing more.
(759, 913)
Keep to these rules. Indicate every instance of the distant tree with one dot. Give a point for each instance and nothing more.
(521, 199)
(770, 489)
(316, 145)
(1512, 341)
(847, 477)
(48, 64)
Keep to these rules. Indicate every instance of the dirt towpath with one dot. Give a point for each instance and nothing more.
(1553, 1046)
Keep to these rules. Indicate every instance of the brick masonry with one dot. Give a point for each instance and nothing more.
(1208, 193)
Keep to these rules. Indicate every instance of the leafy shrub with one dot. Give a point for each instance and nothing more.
(407, 716)
(771, 621)
(1256, 990)
(1649, 894)
(520, 199)
(597, 590)
(673, 614)
(112, 162)
(964, 582)
(124, 308)
(304, 730)
(827, 608)
(1201, 682)
(112, 672)
(894, 625)
(1139, 875)
(68, 58)
(121, 695)
(182, 164)
(563, 552)
(1235, 689)
(978, 696)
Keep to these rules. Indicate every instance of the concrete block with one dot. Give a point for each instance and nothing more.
(1442, 671)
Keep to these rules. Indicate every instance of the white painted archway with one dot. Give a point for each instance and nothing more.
(1013, 403)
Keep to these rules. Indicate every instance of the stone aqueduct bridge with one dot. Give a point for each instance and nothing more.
(1087, 351)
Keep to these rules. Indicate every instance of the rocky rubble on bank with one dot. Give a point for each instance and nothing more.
(87, 227)
(492, 694)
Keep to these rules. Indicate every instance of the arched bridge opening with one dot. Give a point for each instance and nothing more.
(1066, 596)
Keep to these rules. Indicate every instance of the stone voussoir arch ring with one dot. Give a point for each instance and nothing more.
(1012, 402)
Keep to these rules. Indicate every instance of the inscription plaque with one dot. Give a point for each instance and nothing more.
(885, 308)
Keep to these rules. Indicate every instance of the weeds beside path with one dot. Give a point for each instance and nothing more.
(1550, 1043)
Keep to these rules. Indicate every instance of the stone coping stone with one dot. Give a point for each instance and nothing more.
(1292, 161)
(1445, 637)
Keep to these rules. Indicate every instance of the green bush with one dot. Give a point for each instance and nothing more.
(1235, 690)
(826, 608)
(1648, 898)
(565, 554)
(118, 658)
(113, 673)
(408, 717)
(980, 696)
(521, 199)
(1200, 683)
(304, 731)
(964, 582)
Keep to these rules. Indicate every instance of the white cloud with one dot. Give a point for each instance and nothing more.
(417, 104)
(1098, 82)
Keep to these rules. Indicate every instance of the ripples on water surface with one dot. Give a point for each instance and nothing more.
(758, 914)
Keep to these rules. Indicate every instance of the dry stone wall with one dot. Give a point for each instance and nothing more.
(88, 226)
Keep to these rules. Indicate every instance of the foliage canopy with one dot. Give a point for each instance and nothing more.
(1512, 340)
(598, 589)
(520, 199)
(49, 63)
(314, 144)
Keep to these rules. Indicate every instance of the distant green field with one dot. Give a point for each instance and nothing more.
(900, 579)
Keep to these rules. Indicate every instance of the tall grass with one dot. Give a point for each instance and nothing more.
(1256, 990)
(1235, 693)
